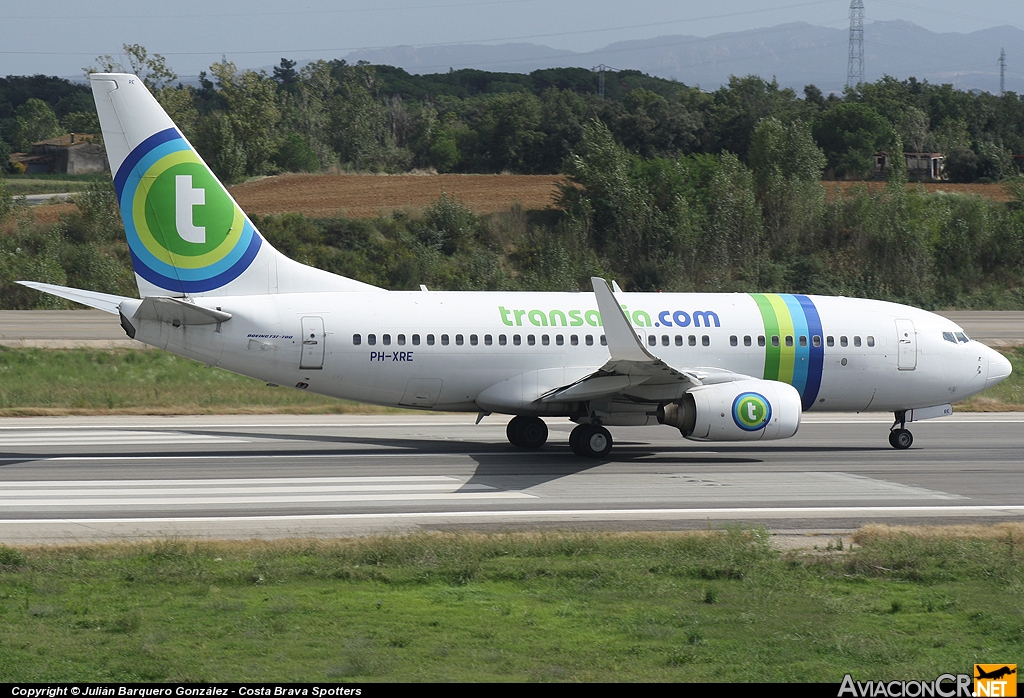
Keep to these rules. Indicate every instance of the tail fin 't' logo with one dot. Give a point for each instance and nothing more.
(184, 232)
(185, 197)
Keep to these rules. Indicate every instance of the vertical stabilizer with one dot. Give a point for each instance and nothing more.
(186, 234)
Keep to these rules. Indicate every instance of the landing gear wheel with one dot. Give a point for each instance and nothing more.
(900, 439)
(574, 438)
(527, 432)
(593, 441)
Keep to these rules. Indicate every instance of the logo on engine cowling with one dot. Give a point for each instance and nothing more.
(751, 411)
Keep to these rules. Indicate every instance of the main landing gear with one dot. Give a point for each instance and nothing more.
(587, 440)
(900, 438)
(527, 432)
(590, 441)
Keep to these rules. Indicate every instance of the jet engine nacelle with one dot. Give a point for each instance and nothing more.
(747, 410)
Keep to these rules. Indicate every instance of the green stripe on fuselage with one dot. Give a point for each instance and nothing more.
(771, 327)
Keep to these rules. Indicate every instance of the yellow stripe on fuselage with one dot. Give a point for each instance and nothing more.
(787, 355)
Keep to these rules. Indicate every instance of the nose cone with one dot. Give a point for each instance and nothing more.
(998, 368)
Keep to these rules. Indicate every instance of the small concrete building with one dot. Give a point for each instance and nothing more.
(72, 153)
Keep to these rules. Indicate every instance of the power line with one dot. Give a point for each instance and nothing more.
(444, 43)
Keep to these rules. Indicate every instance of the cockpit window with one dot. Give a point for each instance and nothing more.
(962, 337)
(948, 336)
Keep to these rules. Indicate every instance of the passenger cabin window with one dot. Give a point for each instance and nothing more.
(816, 340)
(415, 340)
(652, 340)
(531, 339)
(760, 340)
(705, 341)
(604, 341)
(517, 340)
(473, 340)
(371, 339)
(692, 340)
(746, 340)
(559, 340)
(458, 340)
(664, 340)
(679, 340)
(871, 341)
(502, 340)
(385, 340)
(789, 340)
(775, 340)
(830, 341)
(357, 339)
(843, 341)
(401, 340)
(803, 341)
(590, 340)
(856, 340)
(734, 341)
(430, 340)
(488, 340)
(444, 340)
(545, 339)
(574, 340)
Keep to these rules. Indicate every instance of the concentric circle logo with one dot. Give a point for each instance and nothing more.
(184, 231)
(751, 411)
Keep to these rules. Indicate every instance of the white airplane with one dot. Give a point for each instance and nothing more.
(717, 367)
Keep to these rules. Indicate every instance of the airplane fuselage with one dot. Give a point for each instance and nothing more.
(442, 350)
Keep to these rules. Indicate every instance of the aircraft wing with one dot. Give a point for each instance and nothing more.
(631, 370)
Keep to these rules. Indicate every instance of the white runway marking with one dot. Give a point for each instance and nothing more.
(577, 514)
(194, 493)
(107, 437)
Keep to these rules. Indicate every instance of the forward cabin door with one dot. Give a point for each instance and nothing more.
(906, 336)
(312, 343)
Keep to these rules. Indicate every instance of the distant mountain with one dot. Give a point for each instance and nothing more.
(796, 54)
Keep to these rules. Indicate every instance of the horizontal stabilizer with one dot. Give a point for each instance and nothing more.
(178, 312)
(106, 302)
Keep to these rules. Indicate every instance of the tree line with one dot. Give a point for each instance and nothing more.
(334, 115)
(699, 222)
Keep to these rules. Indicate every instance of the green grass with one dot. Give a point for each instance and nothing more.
(711, 607)
(151, 381)
(23, 185)
(148, 381)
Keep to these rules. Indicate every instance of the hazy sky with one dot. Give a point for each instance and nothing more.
(59, 37)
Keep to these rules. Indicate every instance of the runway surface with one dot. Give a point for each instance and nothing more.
(92, 328)
(85, 479)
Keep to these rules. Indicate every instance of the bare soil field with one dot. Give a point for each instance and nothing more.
(368, 196)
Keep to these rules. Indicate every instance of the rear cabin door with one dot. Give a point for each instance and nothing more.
(906, 337)
(312, 343)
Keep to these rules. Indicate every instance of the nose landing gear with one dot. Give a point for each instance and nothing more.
(900, 438)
